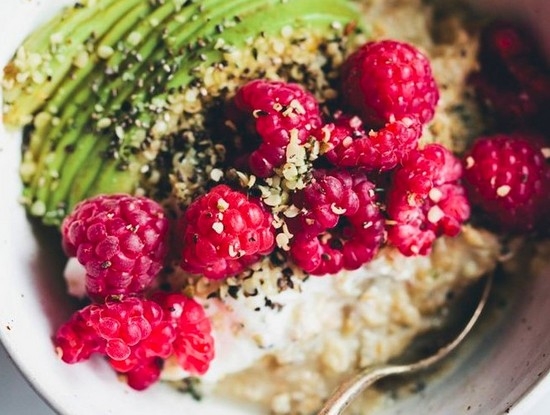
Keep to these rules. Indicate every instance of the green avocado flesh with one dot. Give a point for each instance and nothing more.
(90, 86)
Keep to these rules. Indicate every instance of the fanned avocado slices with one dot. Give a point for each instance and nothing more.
(104, 88)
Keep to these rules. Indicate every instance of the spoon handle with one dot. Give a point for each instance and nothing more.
(349, 390)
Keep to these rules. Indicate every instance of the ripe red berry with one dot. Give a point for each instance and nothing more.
(137, 335)
(223, 232)
(379, 150)
(120, 240)
(340, 226)
(271, 110)
(511, 53)
(388, 79)
(130, 332)
(513, 79)
(508, 177)
(425, 200)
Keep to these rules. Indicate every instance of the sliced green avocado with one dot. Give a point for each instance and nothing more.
(95, 117)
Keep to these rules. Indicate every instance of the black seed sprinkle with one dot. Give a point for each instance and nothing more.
(233, 291)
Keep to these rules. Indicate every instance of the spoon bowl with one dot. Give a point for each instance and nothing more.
(426, 349)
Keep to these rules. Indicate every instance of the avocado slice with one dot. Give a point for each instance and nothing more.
(92, 128)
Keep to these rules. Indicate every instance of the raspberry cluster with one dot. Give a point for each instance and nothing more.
(122, 242)
(367, 181)
(355, 198)
(372, 184)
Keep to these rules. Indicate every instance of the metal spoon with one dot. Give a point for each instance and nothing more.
(425, 350)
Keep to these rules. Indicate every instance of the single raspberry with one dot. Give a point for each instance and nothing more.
(388, 79)
(340, 226)
(271, 111)
(380, 150)
(509, 53)
(137, 335)
(131, 332)
(425, 200)
(513, 77)
(330, 195)
(120, 240)
(503, 41)
(223, 232)
(508, 177)
(194, 344)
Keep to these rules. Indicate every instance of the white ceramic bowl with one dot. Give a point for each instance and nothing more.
(504, 367)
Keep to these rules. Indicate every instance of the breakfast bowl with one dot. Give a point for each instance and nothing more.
(502, 367)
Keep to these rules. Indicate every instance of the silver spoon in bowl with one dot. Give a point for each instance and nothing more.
(425, 350)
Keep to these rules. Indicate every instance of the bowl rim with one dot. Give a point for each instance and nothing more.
(11, 216)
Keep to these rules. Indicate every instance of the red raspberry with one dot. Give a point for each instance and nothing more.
(223, 232)
(425, 200)
(508, 177)
(340, 226)
(513, 78)
(329, 196)
(136, 336)
(120, 240)
(386, 80)
(131, 332)
(509, 51)
(194, 344)
(271, 110)
(380, 150)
